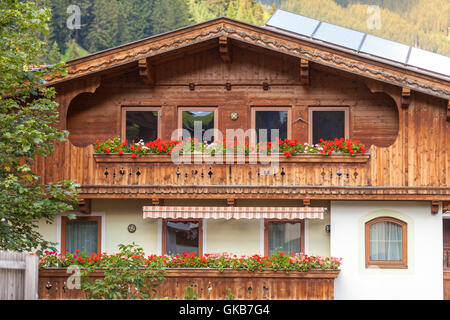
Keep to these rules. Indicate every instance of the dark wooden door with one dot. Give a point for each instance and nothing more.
(446, 224)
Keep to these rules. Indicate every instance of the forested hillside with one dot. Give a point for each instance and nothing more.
(109, 23)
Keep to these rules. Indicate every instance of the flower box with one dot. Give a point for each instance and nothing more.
(298, 158)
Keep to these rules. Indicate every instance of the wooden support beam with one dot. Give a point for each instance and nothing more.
(448, 110)
(231, 202)
(406, 97)
(146, 72)
(84, 206)
(304, 72)
(224, 49)
(306, 202)
(157, 202)
(434, 207)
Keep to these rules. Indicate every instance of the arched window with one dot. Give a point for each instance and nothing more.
(386, 243)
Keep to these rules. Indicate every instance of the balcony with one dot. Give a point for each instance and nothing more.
(273, 170)
(302, 176)
(212, 284)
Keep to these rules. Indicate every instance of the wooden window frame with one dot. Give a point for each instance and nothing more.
(315, 108)
(386, 264)
(123, 121)
(215, 109)
(254, 109)
(266, 232)
(65, 219)
(200, 233)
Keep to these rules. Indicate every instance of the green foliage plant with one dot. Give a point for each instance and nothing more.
(28, 130)
(126, 276)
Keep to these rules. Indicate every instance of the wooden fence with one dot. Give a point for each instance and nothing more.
(19, 275)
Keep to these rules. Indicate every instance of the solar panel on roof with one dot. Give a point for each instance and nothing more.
(339, 35)
(385, 48)
(360, 42)
(429, 61)
(292, 22)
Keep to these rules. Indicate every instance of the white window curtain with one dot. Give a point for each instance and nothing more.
(386, 242)
(284, 237)
(81, 235)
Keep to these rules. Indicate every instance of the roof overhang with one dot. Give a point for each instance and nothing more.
(263, 37)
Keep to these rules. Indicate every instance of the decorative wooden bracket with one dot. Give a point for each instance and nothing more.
(145, 71)
(406, 97)
(84, 206)
(157, 202)
(434, 207)
(304, 72)
(231, 202)
(306, 202)
(224, 49)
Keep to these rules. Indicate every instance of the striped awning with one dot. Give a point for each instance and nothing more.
(287, 213)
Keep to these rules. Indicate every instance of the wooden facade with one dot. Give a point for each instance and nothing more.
(408, 155)
(229, 67)
(214, 285)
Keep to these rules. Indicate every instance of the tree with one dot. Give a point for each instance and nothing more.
(104, 29)
(74, 50)
(232, 9)
(27, 130)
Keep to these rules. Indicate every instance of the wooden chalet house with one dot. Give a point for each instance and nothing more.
(385, 211)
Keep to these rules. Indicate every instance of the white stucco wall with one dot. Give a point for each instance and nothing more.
(422, 279)
(235, 236)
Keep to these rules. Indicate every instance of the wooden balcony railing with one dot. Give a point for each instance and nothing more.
(305, 169)
(213, 284)
(309, 175)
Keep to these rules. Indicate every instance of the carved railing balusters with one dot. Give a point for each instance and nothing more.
(210, 173)
(332, 174)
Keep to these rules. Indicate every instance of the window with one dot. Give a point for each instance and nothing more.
(328, 123)
(269, 118)
(446, 227)
(386, 243)
(140, 123)
(82, 233)
(182, 236)
(284, 236)
(206, 116)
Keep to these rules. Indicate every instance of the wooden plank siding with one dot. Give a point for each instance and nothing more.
(447, 285)
(408, 146)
